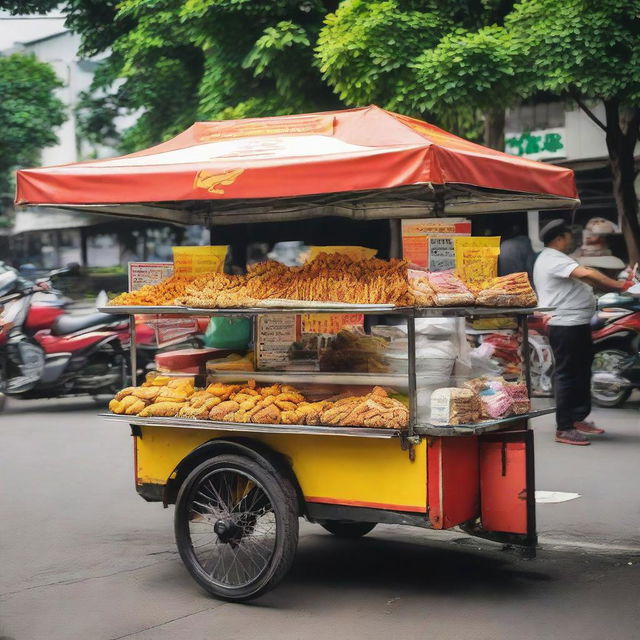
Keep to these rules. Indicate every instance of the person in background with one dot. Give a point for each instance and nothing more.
(516, 254)
(562, 283)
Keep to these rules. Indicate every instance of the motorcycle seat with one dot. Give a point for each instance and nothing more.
(66, 324)
(597, 322)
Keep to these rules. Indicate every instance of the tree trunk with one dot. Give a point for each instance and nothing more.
(494, 120)
(622, 135)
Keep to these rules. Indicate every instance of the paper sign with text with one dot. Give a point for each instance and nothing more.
(142, 273)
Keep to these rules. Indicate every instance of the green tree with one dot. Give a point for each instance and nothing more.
(587, 50)
(29, 113)
(432, 59)
(176, 62)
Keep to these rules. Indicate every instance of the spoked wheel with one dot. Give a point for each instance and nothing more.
(236, 525)
(348, 529)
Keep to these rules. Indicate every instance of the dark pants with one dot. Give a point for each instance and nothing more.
(573, 354)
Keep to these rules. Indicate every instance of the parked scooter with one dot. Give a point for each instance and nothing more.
(616, 340)
(74, 355)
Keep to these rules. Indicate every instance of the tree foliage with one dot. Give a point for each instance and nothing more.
(434, 59)
(588, 50)
(29, 113)
(176, 62)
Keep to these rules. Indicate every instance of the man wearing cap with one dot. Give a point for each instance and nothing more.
(562, 283)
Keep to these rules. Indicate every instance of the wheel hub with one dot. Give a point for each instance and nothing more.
(227, 530)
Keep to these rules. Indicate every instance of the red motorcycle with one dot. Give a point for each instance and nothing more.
(616, 342)
(45, 352)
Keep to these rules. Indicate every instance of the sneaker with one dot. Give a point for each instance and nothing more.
(588, 427)
(571, 436)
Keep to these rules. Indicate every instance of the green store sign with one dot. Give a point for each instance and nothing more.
(536, 144)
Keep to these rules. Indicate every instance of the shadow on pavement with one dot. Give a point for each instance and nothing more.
(388, 565)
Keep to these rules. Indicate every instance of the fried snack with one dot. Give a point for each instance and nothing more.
(220, 411)
(200, 406)
(513, 290)
(124, 392)
(290, 396)
(375, 409)
(290, 417)
(173, 395)
(273, 390)
(163, 293)
(283, 405)
(223, 391)
(244, 394)
(270, 414)
(178, 383)
(136, 407)
(247, 415)
(115, 406)
(145, 393)
(162, 409)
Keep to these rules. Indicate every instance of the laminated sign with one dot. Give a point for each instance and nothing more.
(143, 273)
(429, 242)
(190, 261)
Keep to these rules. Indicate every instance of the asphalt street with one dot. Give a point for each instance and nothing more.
(83, 557)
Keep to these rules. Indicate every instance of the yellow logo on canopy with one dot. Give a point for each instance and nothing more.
(211, 181)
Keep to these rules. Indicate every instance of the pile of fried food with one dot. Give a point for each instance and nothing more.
(328, 278)
(162, 396)
(355, 351)
(163, 293)
(331, 277)
(513, 290)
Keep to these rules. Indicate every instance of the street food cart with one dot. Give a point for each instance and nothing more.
(240, 487)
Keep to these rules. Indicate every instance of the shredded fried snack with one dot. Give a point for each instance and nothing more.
(513, 290)
(163, 293)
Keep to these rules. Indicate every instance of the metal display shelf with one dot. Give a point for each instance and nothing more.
(358, 432)
(249, 427)
(538, 409)
(415, 427)
(415, 312)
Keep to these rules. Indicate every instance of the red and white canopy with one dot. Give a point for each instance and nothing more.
(363, 163)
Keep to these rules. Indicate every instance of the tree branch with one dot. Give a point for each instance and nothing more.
(590, 114)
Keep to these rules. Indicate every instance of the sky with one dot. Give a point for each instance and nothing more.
(15, 29)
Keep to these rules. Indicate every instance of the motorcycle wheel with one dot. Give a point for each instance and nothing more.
(609, 395)
(541, 369)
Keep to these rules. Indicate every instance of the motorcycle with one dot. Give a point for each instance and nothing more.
(46, 352)
(616, 341)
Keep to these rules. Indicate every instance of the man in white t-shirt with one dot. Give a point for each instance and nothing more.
(562, 283)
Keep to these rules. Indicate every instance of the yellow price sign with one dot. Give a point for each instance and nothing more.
(195, 260)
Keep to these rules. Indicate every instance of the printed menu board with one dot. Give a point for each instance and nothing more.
(428, 242)
(142, 273)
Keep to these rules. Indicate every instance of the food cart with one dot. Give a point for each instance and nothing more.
(240, 488)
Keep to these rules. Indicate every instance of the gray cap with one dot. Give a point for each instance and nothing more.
(552, 229)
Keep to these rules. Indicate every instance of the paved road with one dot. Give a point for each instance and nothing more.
(82, 557)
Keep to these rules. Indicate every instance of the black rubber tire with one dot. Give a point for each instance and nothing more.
(343, 529)
(283, 499)
(623, 395)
